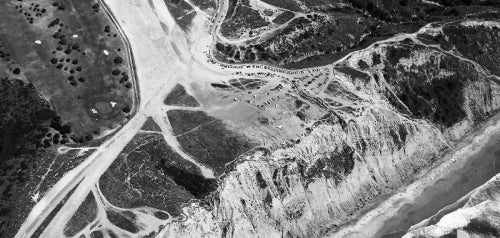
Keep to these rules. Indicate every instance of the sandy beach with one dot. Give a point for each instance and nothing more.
(473, 161)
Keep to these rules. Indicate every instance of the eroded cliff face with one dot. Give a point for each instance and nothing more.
(416, 95)
(318, 184)
(478, 217)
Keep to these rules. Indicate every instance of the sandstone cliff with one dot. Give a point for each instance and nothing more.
(416, 95)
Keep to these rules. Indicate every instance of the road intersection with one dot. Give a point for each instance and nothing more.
(164, 56)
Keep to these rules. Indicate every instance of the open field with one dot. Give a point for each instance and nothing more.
(76, 59)
(65, 79)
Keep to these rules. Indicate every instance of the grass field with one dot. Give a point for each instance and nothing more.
(162, 180)
(207, 139)
(179, 97)
(73, 54)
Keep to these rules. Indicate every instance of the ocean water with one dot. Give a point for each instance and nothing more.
(478, 169)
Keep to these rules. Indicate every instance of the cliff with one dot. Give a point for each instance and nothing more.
(404, 102)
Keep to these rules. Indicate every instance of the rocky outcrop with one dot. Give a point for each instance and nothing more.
(414, 100)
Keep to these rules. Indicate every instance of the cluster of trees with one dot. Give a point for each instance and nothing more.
(27, 119)
(452, 3)
(59, 6)
(402, 10)
(373, 9)
(34, 10)
(245, 54)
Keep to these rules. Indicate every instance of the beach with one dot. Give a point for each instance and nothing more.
(473, 162)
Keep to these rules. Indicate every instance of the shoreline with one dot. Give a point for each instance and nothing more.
(437, 200)
(370, 222)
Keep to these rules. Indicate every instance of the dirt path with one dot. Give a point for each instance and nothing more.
(164, 56)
